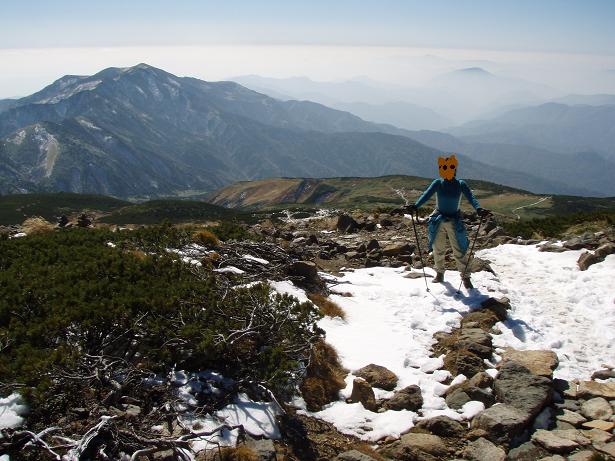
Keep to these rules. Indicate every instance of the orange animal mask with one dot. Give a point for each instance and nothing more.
(448, 167)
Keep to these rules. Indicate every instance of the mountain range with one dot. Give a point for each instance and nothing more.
(143, 132)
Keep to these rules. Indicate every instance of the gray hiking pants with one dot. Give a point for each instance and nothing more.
(447, 228)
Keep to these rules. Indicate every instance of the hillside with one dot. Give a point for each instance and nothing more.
(371, 193)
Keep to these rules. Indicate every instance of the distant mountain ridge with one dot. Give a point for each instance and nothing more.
(143, 132)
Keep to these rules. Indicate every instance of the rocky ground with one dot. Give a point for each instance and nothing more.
(527, 414)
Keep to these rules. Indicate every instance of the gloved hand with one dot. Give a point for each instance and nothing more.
(482, 212)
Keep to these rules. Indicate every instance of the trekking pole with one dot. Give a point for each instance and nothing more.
(418, 246)
(470, 257)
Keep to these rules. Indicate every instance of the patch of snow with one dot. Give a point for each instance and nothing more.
(18, 235)
(18, 138)
(255, 259)
(111, 244)
(287, 287)
(12, 411)
(70, 91)
(470, 409)
(230, 269)
(86, 123)
(557, 306)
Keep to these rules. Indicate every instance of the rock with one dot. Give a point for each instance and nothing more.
(587, 259)
(476, 341)
(502, 422)
(585, 455)
(598, 424)
(538, 362)
(527, 451)
(572, 434)
(346, 223)
(597, 408)
(395, 249)
(417, 275)
(264, 449)
(463, 362)
(553, 458)
(603, 374)
(551, 248)
(499, 307)
(604, 250)
(552, 442)
(457, 399)
(594, 389)
(386, 222)
(442, 426)
(516, 386)
(373, 245)
(378, 376)
(353, 455)
(479, 265)
(598, 435)
(606, 448)
(408, 398)
(483, 450)
(362, 392)
(566, 388)
(570, 417)
(427, 443)
(305, 269)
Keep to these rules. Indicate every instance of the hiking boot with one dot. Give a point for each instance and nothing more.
(467, 283)
(439, 278)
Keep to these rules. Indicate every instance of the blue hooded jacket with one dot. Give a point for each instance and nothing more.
(448, 200)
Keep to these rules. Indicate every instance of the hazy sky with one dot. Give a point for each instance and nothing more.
(556, 41)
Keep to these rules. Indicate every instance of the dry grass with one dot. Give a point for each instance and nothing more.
(324, 378)
(206, 238)
(326, 306)
(36, 225)
(138, 254)
(344, 294)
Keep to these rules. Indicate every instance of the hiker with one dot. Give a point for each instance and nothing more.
(446, 218)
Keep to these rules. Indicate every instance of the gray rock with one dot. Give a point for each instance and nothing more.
(585, 455)
(538, 362)
(502, 422)
(353, 455)
(305, 269)
(457, 399)
(408, 398)
(588, 389)
(427, 443)
(552, 442)
(483, 450)
(378, 376)
(570, 417)
(516, 386)
(606, 448)
(598, 435)
(553, 458)
(597, 408)
(346, 223)
(395, 249)
(528, 451)
(442, 426)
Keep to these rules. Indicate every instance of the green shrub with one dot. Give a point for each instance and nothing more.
(67, 294)
(554, 227)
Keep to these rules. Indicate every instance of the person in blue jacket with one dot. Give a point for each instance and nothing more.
(446, 220)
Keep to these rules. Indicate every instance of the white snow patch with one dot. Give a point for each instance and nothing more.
(390, 321)
(230, 270)
(255, 259)
(557, 306)
(287, 287)
(87, 86)
(18, 235)
(86, 123)
(12, 411)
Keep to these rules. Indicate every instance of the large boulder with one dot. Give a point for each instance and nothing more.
(515, 385)
(463, 362)
(555, 441)
(305, 269)
(499, 306)
(408, 398)
(427, 443)
(353, 455)
(476, 341)
(378, 376)
(502, 422)
(538, 362)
